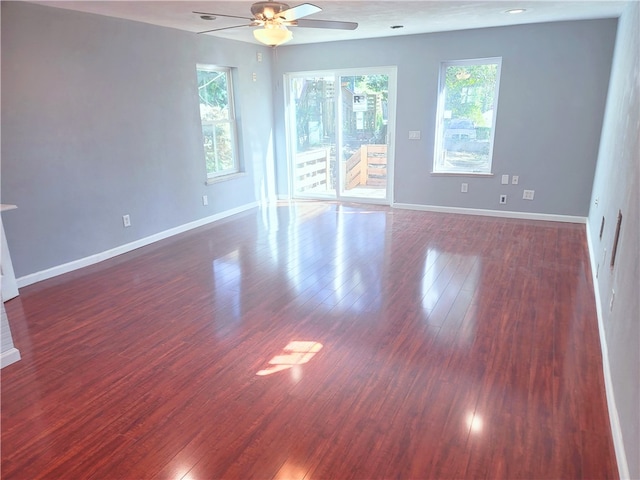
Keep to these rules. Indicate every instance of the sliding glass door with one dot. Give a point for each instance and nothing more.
(312, 135)
(339, 130)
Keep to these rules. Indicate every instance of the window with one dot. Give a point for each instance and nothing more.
(218, 120)
(465, 120)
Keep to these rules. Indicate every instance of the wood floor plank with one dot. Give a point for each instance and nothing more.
(451, 347)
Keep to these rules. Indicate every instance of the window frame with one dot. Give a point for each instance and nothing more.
(438, 151)
(231, 121)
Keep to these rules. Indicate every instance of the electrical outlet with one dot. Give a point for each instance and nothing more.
(505, 179)
(414, 134)
(515, 179)
(126, 220)
(259, 56)
(205, 200)
(597, 201)
(503, 199)
(254, 76)
(464, 188)
(528, 194)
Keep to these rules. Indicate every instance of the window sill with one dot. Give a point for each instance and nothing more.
(224, 178)
(461, 174)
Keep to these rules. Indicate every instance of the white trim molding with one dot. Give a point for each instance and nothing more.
(99, 257)
(614, 418)
(10, 356)
(549, 217)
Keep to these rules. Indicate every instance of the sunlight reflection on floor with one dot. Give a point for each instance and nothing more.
(294, 354)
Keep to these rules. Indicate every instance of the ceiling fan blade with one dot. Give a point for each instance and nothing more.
(222, 15)
(227, 28)
(300, 11)
(309, 23)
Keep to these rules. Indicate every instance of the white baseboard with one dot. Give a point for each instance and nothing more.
(99, 257)
(614, 418)
(493, 213)
(10, 356)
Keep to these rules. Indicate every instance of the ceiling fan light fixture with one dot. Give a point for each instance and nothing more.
(273, 17)
(273, 35)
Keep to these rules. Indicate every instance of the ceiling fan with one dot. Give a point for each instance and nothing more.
(275, 17)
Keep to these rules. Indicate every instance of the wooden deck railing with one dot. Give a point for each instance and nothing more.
(367, 167)
(312, 171)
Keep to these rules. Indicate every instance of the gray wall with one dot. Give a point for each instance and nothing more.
(100, 119)
(552, 96)
(616, 187)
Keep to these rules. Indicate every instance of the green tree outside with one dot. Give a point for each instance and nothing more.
(470, 92)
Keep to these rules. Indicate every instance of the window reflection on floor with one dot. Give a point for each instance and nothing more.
(339, 265)
(295, 353)
(227, 287)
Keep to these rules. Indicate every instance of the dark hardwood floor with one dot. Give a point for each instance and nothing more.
(402, 344)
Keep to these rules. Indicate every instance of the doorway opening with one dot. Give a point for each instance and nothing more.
(340, 127)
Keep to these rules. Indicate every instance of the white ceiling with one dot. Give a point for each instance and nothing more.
(374, 18)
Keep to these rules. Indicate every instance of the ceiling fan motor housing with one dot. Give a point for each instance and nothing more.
(268, 10)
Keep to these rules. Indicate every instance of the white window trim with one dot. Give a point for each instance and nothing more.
(224, 178)
(439, 133)
(236, 170)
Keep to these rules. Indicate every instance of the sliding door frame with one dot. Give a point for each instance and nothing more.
(290, 125)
